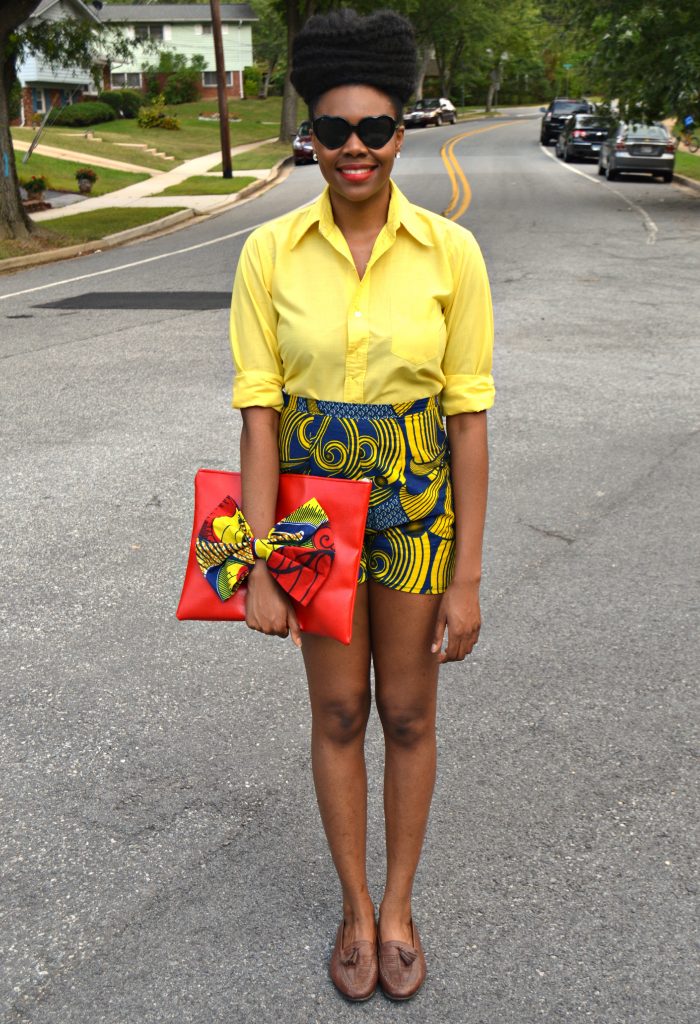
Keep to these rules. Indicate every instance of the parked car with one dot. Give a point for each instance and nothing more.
(582, 136)
(302, 150)
(638, 149)
(558, 111)
(431, 111)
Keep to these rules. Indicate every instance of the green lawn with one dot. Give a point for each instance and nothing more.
(205, 185)
(60, 174)
(261, 158)
(688, 164)
(70, 138)
(196, 137)
(81, 227)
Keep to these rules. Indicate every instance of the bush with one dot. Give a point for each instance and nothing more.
(156, 116)
(125, 102)
(252, 81)
(79, 114)
(178, 78)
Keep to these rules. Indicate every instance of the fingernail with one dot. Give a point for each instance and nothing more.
(434, 648)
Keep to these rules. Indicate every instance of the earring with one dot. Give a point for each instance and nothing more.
(398, 154)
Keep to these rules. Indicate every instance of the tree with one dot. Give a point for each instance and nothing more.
(269, 40)
(643, 54)
(63, 42)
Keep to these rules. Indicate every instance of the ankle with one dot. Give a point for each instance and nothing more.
(359, 909)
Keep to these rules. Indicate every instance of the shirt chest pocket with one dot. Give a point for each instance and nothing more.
(418, 332)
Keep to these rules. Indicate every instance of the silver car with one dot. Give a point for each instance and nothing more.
(638, 149)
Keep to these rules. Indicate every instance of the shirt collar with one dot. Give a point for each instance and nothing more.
(401, 214)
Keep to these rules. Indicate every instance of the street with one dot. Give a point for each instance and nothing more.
(163, 857)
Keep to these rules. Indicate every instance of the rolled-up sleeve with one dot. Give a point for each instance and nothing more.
(468, 355)
(258, 379)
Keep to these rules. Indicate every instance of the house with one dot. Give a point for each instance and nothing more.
(186, 29)
(42, 85)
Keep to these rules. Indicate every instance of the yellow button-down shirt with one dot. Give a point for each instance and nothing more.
(418, 322)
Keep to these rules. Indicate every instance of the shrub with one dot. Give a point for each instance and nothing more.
(125, 102)
(252, 81)
(90, 112)
(178, 78)
(156, 116)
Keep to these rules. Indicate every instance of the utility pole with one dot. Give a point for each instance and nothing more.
(221, 88)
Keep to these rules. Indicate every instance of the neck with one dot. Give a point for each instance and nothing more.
(367, 217)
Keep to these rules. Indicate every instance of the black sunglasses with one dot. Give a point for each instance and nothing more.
(333, 132)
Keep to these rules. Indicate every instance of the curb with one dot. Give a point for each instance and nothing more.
(108, 242)
(162, 226)
(690, 182)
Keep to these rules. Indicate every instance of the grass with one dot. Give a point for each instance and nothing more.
(60, 174)
(261, 158)
(204, 185)
(68, 138)
(688, 164)
(196, 138)
(81, 227)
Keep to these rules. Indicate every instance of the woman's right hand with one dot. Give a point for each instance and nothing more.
(267, 608)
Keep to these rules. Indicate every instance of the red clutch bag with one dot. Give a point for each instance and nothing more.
(329, 611)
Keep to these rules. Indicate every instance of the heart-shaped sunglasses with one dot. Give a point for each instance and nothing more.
(333, 132)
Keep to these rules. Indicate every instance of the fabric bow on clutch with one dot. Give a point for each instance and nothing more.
(298, 550)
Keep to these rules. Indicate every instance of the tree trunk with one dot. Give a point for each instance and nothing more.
(425, 54)
(288, 123)
(14, 222)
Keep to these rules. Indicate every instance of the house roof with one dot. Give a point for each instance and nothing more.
(85, 10)
(153, 14)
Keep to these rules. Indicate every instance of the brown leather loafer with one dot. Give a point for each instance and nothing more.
(401, 967)
(353, 968)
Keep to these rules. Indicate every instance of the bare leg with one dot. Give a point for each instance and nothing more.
(406, 693)
(339, 690)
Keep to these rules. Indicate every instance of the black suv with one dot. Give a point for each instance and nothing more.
(558, 111)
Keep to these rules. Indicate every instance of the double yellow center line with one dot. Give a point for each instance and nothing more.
(461, 192)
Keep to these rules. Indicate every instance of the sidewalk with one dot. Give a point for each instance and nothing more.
(82, 158)
(146, 193)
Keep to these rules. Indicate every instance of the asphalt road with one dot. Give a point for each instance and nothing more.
(162, 855)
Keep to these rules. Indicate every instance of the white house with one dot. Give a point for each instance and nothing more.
(185, 29)
(43, 85)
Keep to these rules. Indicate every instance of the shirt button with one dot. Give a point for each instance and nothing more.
(358, 313)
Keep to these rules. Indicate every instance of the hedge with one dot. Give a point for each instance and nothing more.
(90, 112)
(125, 102)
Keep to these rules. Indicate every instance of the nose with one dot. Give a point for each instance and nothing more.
(354, 144)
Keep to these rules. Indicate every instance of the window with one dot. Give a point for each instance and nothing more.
(148, 32)
(206, 30)
(129, 80)
(38, 101)
(209, 79)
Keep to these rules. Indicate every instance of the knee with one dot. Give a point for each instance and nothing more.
(407, 727)
(342, 722)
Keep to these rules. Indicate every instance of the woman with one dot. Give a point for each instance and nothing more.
(356, 323)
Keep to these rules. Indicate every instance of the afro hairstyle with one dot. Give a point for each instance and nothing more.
(344, 48)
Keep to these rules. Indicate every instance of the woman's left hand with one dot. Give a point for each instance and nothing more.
(460, 615)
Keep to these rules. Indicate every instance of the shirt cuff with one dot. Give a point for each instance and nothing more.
(467, 393)
(257, 388)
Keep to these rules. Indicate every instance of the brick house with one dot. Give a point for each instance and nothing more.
(186, 29)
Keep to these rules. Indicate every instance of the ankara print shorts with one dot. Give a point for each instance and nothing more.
(409, 539)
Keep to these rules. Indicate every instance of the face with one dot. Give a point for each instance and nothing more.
(353, 170)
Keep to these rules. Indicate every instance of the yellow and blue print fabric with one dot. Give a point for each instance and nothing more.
(402, 449)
